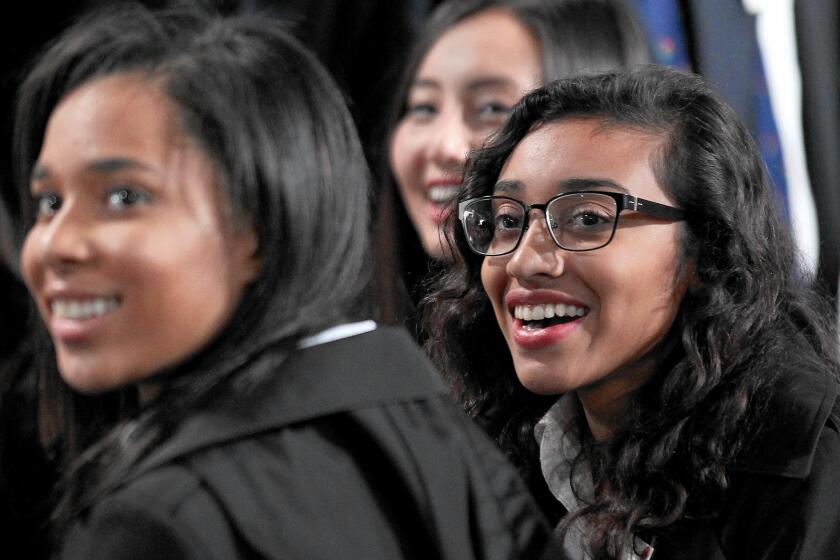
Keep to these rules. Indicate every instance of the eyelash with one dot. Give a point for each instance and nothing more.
(126, 196)
(52, 201)
(493, 108)
(120, 198)
(420, 109)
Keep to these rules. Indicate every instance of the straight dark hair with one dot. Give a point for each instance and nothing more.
(749, 311)
(574, 36)
(289, 161)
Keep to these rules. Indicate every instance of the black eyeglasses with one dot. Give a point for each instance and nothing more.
(577, 221)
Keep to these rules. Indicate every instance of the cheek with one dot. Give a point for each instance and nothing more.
(29, 268)
(184, 297)
(406, 158)
(196, 274)
(643, 295)
(494, 279)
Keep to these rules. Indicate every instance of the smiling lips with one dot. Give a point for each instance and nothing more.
(74, 318)
(82, 309)
(537, 326)
(547, 311)
(439, 195)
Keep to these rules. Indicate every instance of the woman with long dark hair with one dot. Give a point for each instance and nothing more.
(628, 319)
(472, 60)
(198, 249)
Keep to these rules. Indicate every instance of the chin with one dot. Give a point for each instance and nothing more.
(88, 379)
(85, 383)
(540, 385)
(433, 248)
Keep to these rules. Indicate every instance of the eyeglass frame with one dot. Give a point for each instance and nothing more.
(623, 201)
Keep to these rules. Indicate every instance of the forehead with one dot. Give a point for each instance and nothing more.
(112, 114)
(125, 123)
(578, 148)
(492, 43)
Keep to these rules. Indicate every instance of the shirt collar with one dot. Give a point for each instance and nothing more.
(559, 443)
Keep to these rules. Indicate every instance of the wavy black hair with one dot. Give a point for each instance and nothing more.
(289, 162)
(747, 311)
(574, 36)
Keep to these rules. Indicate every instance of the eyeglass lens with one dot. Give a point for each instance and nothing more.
(576, 221)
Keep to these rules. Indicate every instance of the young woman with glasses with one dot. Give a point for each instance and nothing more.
(199, 204)
(627, 317)
(472, 60)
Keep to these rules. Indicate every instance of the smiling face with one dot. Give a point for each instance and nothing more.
(611, 306)
(134, 260)
(462, 92)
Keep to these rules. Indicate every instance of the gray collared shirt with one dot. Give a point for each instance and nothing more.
(559, 444)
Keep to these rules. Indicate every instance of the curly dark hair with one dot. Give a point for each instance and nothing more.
(749, 309)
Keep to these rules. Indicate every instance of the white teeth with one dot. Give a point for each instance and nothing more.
(547, 311)
(80, 309)
(442, 194)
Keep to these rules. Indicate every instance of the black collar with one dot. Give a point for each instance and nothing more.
(384, 365)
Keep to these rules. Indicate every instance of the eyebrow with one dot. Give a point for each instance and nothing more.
(41, 172)
(507, 187)
(489, 82)
(481, 82)
(572, 184)
(424, 83)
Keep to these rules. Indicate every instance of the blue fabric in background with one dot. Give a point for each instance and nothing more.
(663, 23)
(727, 53)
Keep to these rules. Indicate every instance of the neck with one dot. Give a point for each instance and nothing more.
(605, 405)
(603, 419)
(148, 391)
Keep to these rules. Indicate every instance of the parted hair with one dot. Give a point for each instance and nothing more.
(288, 162)
(748, 309)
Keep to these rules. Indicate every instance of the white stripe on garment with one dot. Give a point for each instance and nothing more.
(336, 333)
(776, 30)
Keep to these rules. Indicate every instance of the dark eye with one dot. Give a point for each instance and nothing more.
(124, 197)
(588, 219)
(506, 221)
(420, 110)
(46, 204)
(494, 109)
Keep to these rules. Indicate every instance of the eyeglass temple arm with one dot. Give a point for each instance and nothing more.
(652, 208)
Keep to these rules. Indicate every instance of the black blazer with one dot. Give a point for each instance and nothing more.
(784, 498)
(353, 450)
(783, 502)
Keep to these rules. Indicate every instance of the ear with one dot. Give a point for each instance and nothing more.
(245, 245)
(688, 279)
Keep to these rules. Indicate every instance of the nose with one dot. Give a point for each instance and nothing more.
(451, 141)
(537, 253)
(65, 240)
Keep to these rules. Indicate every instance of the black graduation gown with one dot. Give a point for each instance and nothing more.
(353, 450)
